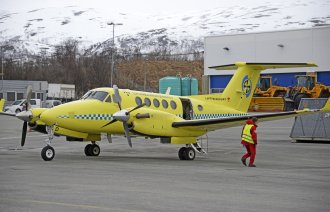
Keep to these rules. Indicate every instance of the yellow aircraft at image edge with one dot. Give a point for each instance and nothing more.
(174, 119)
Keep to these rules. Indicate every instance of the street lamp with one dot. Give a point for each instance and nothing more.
(113, 46)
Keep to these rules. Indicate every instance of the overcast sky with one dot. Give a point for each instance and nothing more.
(136, 6)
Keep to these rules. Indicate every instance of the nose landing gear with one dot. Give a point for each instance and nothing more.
(48, 152)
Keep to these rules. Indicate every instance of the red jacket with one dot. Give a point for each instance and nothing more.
(252, 131)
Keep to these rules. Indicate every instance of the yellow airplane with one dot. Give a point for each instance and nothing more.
(173, 119)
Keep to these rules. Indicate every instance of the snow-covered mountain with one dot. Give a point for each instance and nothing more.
(42, 28)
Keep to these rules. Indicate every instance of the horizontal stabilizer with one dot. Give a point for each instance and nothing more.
(262, 66)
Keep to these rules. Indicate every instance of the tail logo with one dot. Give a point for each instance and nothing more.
(246, 86)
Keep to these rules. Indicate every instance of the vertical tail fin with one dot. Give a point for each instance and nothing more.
(2, 104)
(240, 88)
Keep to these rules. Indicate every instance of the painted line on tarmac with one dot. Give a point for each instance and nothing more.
(68, 205)
(33, 136)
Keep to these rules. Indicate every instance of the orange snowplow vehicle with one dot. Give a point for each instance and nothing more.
(268, 97)
(307, 87)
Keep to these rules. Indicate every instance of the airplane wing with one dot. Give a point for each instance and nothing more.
(222, 123)
(7, 114)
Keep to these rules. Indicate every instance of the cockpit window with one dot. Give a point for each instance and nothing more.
(108, 99)
(86, 94)
(99, 95)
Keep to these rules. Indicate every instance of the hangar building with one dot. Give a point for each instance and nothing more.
(301, 45)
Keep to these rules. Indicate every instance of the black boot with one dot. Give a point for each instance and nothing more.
(243, 161)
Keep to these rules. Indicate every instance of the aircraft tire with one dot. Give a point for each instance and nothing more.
(182, 153)
(48, 153)
(189, 153)
(88, 150)
(95, 150)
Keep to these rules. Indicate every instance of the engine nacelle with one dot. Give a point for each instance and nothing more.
(38, 127)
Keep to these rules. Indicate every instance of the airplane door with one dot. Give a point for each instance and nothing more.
(187, 109)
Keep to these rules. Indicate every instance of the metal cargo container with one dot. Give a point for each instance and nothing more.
(313, 127)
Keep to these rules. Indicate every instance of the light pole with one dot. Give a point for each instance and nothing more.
(113, 47)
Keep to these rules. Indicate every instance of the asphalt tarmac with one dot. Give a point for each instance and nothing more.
(150, 177)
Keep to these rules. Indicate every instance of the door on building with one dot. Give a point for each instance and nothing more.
(187, 109)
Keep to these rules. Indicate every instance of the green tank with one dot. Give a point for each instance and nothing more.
(189, 86)
(173, 82)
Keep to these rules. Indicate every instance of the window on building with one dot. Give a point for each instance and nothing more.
(40, 96)
(33, 95)
(1, 95)
(11, 96)
(19, 96)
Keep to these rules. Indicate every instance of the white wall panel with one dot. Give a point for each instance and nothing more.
(303, 45)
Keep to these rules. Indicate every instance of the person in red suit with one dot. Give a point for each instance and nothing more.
(249, 140)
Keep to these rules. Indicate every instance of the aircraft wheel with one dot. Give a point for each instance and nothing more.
(48, 153)
(190, 153)
(88, 150)
(181, 153)
(95, 150)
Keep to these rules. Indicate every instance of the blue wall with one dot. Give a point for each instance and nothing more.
(285, 79)
(282, 79)
(219, 81)
(324, 77)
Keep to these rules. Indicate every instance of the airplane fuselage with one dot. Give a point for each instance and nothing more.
(91, 113)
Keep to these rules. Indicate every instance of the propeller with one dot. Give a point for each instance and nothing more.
(122, 115)
(116, 97)
(24, 133)
(25, 115)
(28, 97)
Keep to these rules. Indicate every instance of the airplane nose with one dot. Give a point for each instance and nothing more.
(25, 115)
(48, 117)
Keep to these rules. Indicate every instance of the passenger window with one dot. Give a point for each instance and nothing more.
(138, 100)
(147, 102)
(164, 103)
(173, 105)
(156, 102)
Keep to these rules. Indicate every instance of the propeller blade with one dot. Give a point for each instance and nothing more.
(127, 134)
(116, 96)
(28, 97)
(137, 107)
(112, 121)
(24, 130)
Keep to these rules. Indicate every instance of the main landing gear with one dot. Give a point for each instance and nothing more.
(189, 151)
(92, 149)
